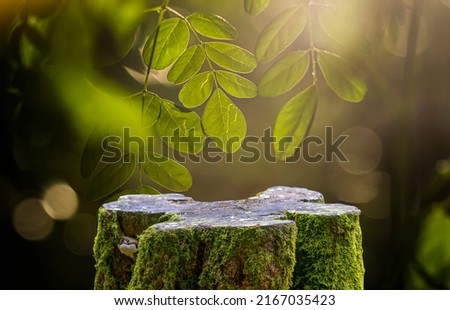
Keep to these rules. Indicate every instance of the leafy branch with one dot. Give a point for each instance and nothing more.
(288, 70)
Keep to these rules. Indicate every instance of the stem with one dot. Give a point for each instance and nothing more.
(162, 10)
(312, 48)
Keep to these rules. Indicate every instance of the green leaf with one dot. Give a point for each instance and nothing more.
(254, 7)
(144, 189)
(197, 90)
(92, 153)
(224, 122)
(236, 85)
(152, 108)
(284, 74)
(341, 28)
(212, 26)
(280, 33)
(111, 177)
(341, 77)
(231, 57)
(172, 40)
(180, 130)
(293, 122)
(167, 172)
(187, 65)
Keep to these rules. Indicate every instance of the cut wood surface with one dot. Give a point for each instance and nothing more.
(282, 238)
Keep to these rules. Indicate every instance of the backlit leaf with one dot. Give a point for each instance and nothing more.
(180, 130)
(172, 40)
(236, 85)
(212, 26)
(152, 108)
(187, 65)
(111, 177)
(224, 122)
(293, 122)
(284, 74)
(230, 56)
(167, 173)
(197, 90)
(254, 7)
(340, 28)
(341, 77)
(280, 33)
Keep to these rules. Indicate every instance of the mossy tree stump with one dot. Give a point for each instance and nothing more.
(283, 238)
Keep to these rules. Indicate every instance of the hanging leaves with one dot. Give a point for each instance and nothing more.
(171, 42)
(293, 122)
(212, 26)
(280, 33)
(224, 122)
(284, 74)
(341, 77)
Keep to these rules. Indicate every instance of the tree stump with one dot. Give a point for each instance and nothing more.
(283, 238)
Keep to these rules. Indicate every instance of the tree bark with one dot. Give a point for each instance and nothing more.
(283, 238)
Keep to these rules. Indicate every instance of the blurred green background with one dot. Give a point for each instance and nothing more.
(66, 66)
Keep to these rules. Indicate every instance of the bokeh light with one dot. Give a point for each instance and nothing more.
(363, 150)
(31, 221)
(61, 201)
(353, 188)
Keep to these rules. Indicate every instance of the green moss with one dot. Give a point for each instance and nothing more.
(328, 252)
(113, 268)
(253, 257)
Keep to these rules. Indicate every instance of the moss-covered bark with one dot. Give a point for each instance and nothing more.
(276, 240)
